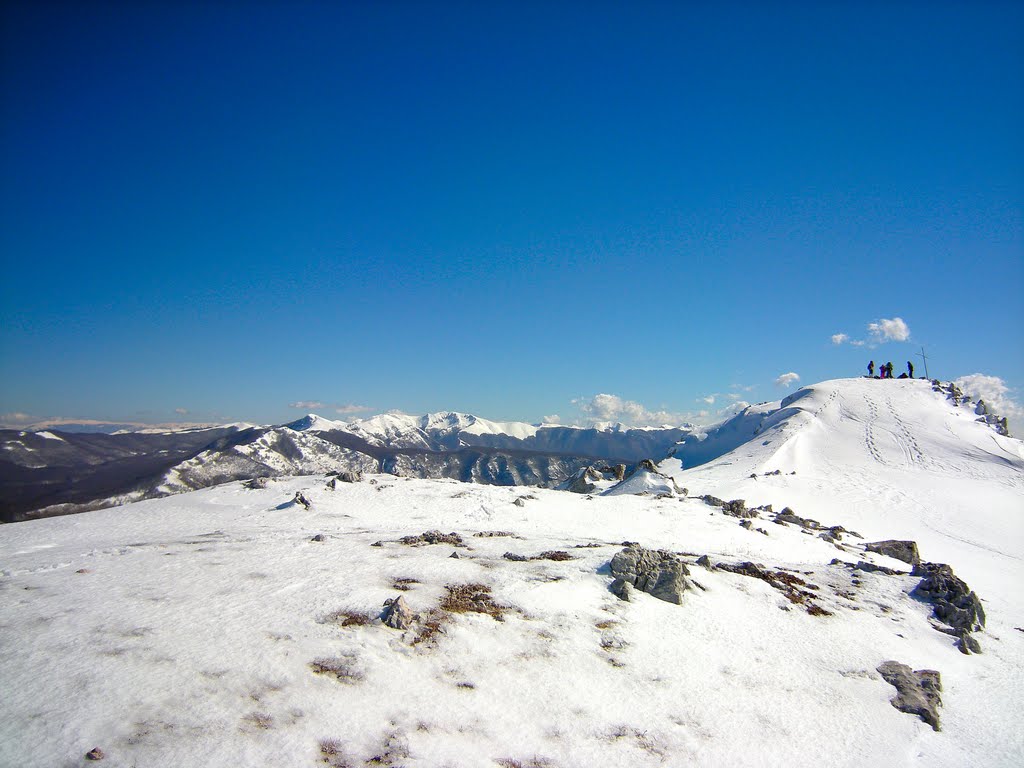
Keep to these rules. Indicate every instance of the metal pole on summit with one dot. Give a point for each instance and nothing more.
(924, 357)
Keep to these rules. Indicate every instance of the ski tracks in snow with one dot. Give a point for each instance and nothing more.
(869, 431)
(905, 438)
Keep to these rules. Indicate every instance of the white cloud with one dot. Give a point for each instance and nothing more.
(734, 408)
(889, 330)
(786, 379)
(307, 405)
(839, 338)
(181, 411)
(605, 407)
(858, 343)
(709, 399)
(997, 396)
(351, 408)
(16, 417)
(554, 418)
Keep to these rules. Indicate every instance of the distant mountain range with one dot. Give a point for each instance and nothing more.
(52, 472)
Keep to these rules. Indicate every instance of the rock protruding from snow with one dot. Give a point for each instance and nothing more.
(645, 480)
(301, 500)
(953, 602)
(256, 483)
(917, 692)
(657, 572)
(397, 613)
(350, 476)
(900, 550)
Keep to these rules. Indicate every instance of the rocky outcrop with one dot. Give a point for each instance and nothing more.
(350, 476)
(953, 603)
(917, 692)
(657, 572)
(256, 483)
(900, 550)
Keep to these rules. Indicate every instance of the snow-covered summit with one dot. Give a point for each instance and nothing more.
(313, 423)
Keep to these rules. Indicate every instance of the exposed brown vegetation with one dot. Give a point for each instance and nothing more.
(341, 667)
(432, 537)
(555, 554)
(348, 618)
(404, 584)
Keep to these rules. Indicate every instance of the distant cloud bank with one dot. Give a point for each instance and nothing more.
(317, 405)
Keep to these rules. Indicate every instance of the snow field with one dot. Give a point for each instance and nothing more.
(189, 641)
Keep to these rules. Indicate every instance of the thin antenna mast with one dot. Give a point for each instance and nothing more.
(924, 357)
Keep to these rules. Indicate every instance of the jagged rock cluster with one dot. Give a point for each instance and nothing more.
(583, 481)
(953, 603)
(981, 410)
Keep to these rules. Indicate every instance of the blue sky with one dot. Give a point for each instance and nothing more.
(211, 213)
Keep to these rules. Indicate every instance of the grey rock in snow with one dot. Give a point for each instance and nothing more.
(256, 483)
(900, 550)
(659, 573)
(397, 613)
(917, 692)
(705, 562)
(350, 476)
(953, 602)
(302, 500)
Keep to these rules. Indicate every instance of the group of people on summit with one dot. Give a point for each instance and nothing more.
(885, 371)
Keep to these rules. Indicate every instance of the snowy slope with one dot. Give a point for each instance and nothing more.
(890, 459)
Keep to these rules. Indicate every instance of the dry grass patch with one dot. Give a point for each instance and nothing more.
(347, 618)
(341, 667)
(472, 598)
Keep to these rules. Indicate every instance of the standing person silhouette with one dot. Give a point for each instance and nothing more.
(871, 369)
(888, 370)
(910, 368)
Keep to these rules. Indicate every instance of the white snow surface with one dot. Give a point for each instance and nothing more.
(643, 482)
(50, 436)
(180, 631)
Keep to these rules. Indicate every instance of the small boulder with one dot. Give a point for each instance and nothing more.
(519, 502)
(397, 613)
(656, 572)
(900, 550)
(302, 500)
(318, 537)
(917, 692)
(705, 562)
(350, 476)
(256, 483)
(95, 754)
